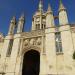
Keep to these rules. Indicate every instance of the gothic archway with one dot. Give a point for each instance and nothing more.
(31, 63)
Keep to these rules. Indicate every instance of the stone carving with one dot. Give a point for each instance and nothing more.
(29, 47)
(39, 41)
(36, 41)
(26, 42)
(33, 34)
(32, 41)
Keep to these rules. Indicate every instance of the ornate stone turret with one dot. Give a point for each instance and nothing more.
(49, 17)
(63, 19)
(39, 18)
(12, 26)
(40, 6)
(21, 24)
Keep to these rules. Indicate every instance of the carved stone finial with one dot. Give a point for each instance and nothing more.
(22, 17)
(40, 6)
(49, 9)
(12, 25)
(61, 6)
(21, 24)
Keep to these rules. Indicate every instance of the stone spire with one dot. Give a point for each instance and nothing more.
(63, 18)
(12, 25)
(49, 10)
(40, 6)
(22, 17)
(21, 24)
(49, 17)
(61, 6)
(13, 19)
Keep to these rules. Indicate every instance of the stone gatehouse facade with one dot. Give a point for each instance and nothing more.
(46, 50)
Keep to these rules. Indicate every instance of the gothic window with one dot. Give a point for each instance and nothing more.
(9, 48)
(58, 42)
(43, 26)
(37, 26)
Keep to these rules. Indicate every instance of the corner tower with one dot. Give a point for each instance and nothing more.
(49, 17)
(21, 24)
(12, 26)
(63, 19)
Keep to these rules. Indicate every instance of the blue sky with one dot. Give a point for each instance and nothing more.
(10, 8)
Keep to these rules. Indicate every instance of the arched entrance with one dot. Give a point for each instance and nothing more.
(31, 63)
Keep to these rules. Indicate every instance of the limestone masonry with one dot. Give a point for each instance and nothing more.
(46, 50)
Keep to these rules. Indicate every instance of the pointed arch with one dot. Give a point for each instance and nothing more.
(31, 63)
(28, 48)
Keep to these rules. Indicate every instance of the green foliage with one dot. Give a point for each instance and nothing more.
(74, 55)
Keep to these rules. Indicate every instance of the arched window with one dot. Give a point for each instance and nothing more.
(37, 26)
(43, 26)
(58, 42)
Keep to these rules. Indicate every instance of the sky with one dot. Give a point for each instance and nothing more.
(10, 8)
